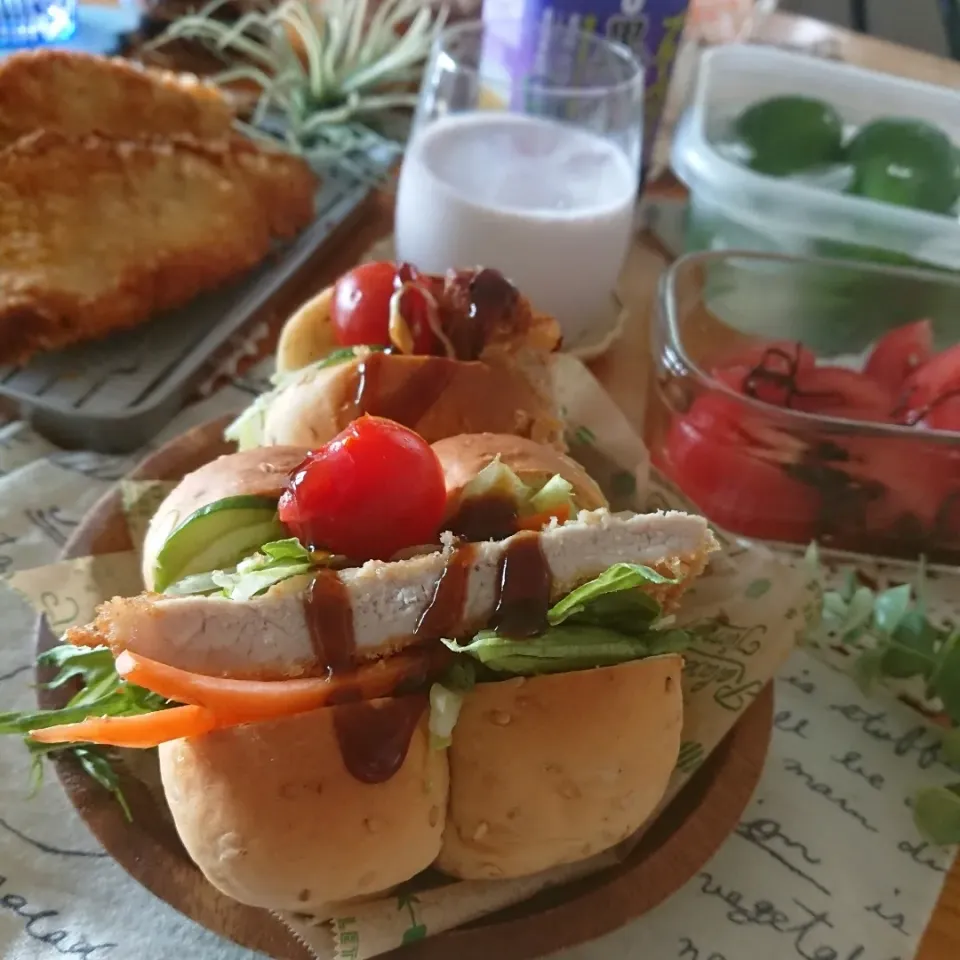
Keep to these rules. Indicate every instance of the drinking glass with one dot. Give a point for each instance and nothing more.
(525, 156)
(25, 23)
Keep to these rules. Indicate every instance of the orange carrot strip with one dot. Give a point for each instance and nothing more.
(538, 521)
(250, 700)
(141, 731)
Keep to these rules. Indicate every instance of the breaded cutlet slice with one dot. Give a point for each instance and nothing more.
(75, 94)
(97, 235)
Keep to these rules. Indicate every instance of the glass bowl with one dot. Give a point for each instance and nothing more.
(804, 456)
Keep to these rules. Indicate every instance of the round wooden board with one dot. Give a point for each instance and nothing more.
(675, 847)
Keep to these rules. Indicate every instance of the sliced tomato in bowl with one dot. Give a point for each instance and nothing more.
(944, 414)
(840, 392)
(930, 385)
(779, 355)
(899, 353)
(911, 477)
(715, 454)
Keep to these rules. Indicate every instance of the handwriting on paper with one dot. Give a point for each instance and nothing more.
(52, 522)
(806, 929)
(849, 878)
(42, 925)
(6, 561)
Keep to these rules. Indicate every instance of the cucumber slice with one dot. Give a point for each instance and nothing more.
(217, 536)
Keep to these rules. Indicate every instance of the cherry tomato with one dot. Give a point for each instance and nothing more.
(898, 353)
(374, 489)
(739, 484)
(361, 306)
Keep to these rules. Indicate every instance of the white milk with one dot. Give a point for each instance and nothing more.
(549, 205)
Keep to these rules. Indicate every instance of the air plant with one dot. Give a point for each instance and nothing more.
(323, 68)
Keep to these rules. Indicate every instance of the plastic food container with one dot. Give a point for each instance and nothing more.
(733, 207)
(776, 472)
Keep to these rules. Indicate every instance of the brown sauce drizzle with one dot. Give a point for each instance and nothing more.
(330, 621)
(524, 583)
(408, 403)
(444, 613)
(492, 517)
(481, 301)
(374, 737)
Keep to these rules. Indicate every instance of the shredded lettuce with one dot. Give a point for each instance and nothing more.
(196, 584)
(247, 430)
(446, 699)
(602, 623)
(273, 563)
(497, 479)
(553, 495)
(444, 710)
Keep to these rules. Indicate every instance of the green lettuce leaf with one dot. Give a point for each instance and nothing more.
(612, 601)
(567, 648)
(273, 563)
(103, 694)
(605, 622)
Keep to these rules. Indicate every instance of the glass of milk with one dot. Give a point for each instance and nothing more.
(525, 156)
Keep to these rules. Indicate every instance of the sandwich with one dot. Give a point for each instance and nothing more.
(365, 681)
(418, 349)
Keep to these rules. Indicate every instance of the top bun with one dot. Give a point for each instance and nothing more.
(434, 396)
(258, 472)
(464, 456)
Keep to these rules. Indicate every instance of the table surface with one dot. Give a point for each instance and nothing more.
(619, 369)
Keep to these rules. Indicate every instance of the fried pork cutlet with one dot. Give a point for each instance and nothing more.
(77, 93)
(97, 235)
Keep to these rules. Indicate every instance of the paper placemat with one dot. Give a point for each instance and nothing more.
(825, 864)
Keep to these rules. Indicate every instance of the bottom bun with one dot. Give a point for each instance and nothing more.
(273, 818)
(554, 769)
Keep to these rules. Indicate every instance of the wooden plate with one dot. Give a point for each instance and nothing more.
(671, 852)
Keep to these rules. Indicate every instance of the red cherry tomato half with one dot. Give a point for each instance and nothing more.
(741, 486)
(361, 306)
(898, 353)
(374, 489)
